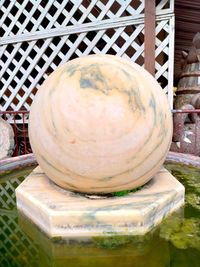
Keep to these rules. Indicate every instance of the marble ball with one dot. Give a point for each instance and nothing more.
(100, 124)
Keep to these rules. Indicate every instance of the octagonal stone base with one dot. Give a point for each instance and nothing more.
(61, 213)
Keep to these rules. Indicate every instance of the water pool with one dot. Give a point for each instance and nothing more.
(175, 242)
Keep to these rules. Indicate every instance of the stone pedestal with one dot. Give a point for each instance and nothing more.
(62, 213)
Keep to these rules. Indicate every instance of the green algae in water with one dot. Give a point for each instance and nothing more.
(114, 240)
(190, 178)
(184, 232)
(175, 242)
(126, 192)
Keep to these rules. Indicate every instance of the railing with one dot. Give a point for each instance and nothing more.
(186, 137)
(19, 123)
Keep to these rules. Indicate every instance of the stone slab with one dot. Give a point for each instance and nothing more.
(62, 213)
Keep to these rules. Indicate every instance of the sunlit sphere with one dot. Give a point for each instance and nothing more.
(100, 124)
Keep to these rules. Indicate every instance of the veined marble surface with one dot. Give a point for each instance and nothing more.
(105, 125)
(59, 212)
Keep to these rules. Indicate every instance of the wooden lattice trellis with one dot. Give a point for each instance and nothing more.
(38, 36)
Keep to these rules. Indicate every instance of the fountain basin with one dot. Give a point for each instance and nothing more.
(176, 240)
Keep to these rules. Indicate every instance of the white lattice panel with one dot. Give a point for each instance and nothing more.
(164, 55)
(35, 40)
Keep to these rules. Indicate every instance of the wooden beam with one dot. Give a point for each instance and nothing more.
(149, 36)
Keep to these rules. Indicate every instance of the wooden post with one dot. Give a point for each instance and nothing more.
(149, 36)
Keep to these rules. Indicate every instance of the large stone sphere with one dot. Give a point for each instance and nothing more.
(100, 124)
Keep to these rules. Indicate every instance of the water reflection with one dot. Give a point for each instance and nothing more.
(16, 248)
(149, 250)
